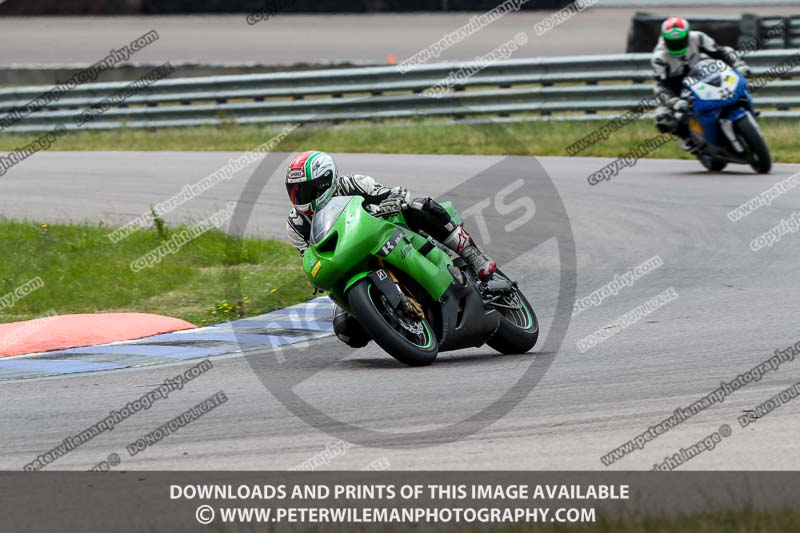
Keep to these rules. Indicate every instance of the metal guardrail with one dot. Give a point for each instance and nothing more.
(570, 87)
(12, 74)
(772, 32)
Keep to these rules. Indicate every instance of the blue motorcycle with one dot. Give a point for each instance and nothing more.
(721, 119)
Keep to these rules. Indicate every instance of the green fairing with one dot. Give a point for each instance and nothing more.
(360, 239)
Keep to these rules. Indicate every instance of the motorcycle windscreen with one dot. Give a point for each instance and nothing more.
(705, 71)
(325, 218)
(717, 91)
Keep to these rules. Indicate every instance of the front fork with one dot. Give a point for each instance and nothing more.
(726, 125)
(387, 283)
(727, 129)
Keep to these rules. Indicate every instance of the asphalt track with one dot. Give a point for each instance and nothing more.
(293, 38)
(735, 307)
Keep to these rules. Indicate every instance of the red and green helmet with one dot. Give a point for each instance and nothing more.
(675, 31)
(311, 180)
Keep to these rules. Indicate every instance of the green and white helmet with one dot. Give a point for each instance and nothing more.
(311, 180)
(675, 32)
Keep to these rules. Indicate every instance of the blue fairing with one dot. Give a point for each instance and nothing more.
(707, 112)
(736, 114)
(710, 125)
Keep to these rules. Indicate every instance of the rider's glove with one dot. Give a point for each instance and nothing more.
(679, 112)
(394, 203)
(745, 71)
(681, 106)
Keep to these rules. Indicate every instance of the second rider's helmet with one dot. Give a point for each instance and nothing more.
(675, 31)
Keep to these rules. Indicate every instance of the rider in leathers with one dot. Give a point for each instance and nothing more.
(312, 178)
(679, 49)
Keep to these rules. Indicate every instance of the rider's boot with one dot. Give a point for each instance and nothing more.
(689, 145)
(687, 141)
(348, 329)
(460, 242)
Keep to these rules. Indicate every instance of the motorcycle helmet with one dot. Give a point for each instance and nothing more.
(311, 180)
(675, 31)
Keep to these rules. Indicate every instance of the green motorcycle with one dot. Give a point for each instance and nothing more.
(406, 290)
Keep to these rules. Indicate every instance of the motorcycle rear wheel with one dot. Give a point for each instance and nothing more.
(413, 344)
(519, 328)
(712, 163)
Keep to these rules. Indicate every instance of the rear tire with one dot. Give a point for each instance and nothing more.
(518, 331)
(758, 157)
(712, 163)
(366, 305)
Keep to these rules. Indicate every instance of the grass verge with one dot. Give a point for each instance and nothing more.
(84, 272)
(535, 138)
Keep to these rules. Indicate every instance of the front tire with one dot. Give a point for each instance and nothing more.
(758, 155)
(519, 328)
(387, 328)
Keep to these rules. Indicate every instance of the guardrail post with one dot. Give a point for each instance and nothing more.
(750, 30)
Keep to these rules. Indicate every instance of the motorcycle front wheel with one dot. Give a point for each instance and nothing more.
(758, 155)
(412, 342)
